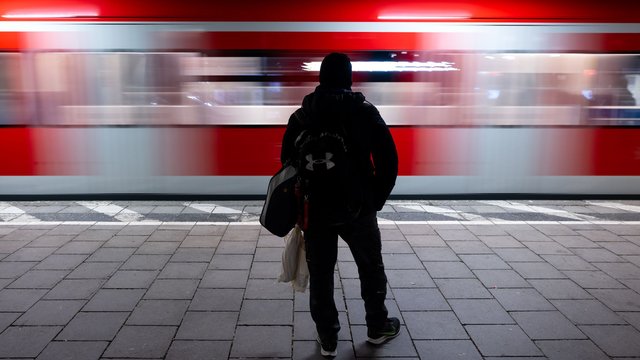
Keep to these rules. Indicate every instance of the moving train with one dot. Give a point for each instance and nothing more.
(496, 98)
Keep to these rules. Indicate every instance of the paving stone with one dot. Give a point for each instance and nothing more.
(38, 279)
(236, 248)
(529, 235)
(111, 255)
(447, 349)
(54, 241)
(621, 248)
(267, 289)
(208, 326)
(51, 312)
(502, 340)
(401, 261)
(469, 247)
(559, 289)
(502, 241)
(480, 311)
(23, 235)
(199, 350)
(518, 255)
(114, 300)
(571, 350)
(241, 233)
(416, 229)
(420, 299)
(305, 329)
(208, 230)
(547, 248)
(265, 270)
(597, 255)
(101, 270)
(417, 241)
(174, 289)
(521, 300)
(73, 350)
(501, 279)
(262, 341)
(401, 346)
(225, 279)
(138, 230)
(131, 279)
(7, 319)
(448, 270)
(79, 247)
(600, 235)
(555, 229)
(12, 270)
(547, 325)
(409, 278)
(618, 299)
(93, 326)
(266, 312)
(462, 289)
(158, 312)
(436, 254)
(484, 262)
(231, 262)
(157, 248)
(267, 254)
(145, 262)
(311, 350)
(125, 241)
(183, 271)
(200, 242)
(435, 325)
(217, 300)
(26, 341)
(141, 342)
(632, 318)
(19, 300)
(594, 280)
(30, 254)
(454, 235)
(568, 262)
(620, 270)
(193, 255)
(61, 262)
(486, 230)
(614, 340)
(587, 312)
(74, 289)
(575, 242)
(537, 270)
(168, 235)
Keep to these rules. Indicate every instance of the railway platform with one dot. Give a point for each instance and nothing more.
(552, 279)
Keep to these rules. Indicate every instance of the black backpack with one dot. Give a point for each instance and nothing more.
(327, 172)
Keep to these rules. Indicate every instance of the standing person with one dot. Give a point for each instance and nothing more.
(373, 165)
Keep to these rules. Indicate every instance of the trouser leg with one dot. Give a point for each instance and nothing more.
(365, 243)
(322, 252)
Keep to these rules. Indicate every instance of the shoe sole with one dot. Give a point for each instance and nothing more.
(324, 352)
(383, 339)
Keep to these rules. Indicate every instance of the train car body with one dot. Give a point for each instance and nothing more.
(494, 98)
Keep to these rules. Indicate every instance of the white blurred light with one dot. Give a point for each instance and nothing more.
(588, 94)
(389, 66)
(429, 15)
(50, 14)
(493, 94)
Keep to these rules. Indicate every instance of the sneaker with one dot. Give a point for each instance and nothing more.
(328, 347)
(389, 330)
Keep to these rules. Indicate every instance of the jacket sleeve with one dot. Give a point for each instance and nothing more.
(292, 132)
(385, 160)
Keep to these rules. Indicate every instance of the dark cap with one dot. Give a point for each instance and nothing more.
(335, 71)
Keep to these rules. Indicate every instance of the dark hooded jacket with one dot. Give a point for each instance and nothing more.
(366, 133)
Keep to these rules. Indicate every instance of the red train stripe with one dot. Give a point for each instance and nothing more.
(16, 152)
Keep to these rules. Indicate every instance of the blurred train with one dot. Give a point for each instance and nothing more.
(482, 97)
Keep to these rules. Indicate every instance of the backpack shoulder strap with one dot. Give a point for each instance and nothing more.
(302, 117)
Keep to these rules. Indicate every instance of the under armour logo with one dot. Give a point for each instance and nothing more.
(327, 160)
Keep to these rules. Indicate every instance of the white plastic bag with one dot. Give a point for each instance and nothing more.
(294, 261)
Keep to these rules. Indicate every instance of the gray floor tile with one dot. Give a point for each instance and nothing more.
(568, 262)
(409, 278)
(74, 289)
(518, 255)
(501, 279)
(138, 230)
(266, 312)
(158, 312)
(193, 255)
(521, 300)
(125, 241)
(420, 299)
(168, 235)
(594, 280)
(618, 299)
(537, 270)
(448, 270)
(13, 270)
(208, 230)
(620, 270)
(30, 254)
(401, 261)
(436, 254)
(480, 311)
(175, 270)
(172, 289)
(111, 255)
(597, 255)
(199, 350)
(51, 312)
(38, 279)
(265, 270)
(236, 248)
(614, 340)
(560, 289)
(431, 325)
(26, 341)
(547, 325)
(571, 350)
(19, 300)
(7, 319)
(141, 342)
(632, 318)
(93, 326)
(101, 270)
(502, 340)
(575, 242)
(157, 248)
(208, 326)
(54, 241)
(79, 248)
(73, 350)
(267, 289)
(501, 241)
(419, 241)
(217, 300)
(547, 248)
(225, 279)
(484, 262)
(469, 247)
(462, 289)
(146, 262)
(447, 349)
(114, 300)
(61, 262)
(262, 341)
(454, 235)
(131, 279)
(587, 312)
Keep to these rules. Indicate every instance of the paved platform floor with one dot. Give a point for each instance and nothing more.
(197, 280)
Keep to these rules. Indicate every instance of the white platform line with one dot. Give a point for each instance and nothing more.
(9, 212)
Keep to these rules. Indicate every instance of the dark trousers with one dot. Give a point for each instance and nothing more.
(363, 237)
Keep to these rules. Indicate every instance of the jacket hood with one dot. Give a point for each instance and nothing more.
(331, 102)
